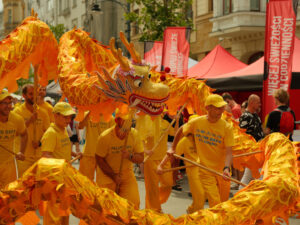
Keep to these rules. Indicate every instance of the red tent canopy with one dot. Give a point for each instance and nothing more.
(258, 66)
(217, 62)
(250, 80)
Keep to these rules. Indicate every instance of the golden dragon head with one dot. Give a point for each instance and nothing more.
(130, 82)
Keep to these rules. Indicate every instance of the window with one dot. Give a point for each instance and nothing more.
(254, 57)
(75, 23)
(210, 5)
(227, 7)
(74, 3)
(60, 7)
(29, 7)
(9, 16)
(255, 5)
(50, 4)
(83, 17)
(67, 4)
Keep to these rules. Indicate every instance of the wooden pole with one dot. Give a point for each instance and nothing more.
(167, 130)
(11, 152)
(127, 126)
(74, 159)
(35, 94)
(121, 164)
(208, 169)
(177, 168)
(246, 154)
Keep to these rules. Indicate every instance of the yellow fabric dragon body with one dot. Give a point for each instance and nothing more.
(100, 79)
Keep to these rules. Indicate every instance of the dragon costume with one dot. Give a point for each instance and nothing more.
(100, 79)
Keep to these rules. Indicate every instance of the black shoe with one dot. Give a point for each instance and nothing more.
(177, 187)
(190, 194)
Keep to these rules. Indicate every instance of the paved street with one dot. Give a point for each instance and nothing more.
(179, 200)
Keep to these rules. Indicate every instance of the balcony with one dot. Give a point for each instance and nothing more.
(66, 12)
(237, 23)
(233, 18)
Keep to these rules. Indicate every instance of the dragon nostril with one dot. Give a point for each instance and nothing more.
(163, 77)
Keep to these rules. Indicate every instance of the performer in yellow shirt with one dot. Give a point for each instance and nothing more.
(109, 153)
(41, 121)
(56, 144)
(158, 187)
(214, 141)
(187, 147)
(11, 125)
(45, 105)
(93, 131)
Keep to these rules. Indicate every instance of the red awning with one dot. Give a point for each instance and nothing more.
(257, 68)
(217, 62)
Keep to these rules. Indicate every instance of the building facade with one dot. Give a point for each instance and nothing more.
(71, 13)
(13, 14)
(1, 25)
(238, 26)
(102, 18)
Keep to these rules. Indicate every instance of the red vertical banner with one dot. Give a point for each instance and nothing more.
(153, 53)
(279, 47)
(176, 50)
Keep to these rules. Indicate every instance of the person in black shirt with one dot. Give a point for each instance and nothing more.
(281, 100)
(250, 121)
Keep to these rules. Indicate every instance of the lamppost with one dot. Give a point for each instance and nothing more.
(93, 11)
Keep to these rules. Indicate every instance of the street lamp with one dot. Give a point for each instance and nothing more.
(126, 7)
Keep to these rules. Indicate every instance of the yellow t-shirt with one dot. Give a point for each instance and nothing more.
(151, 131)
(187, 147)
(8, 131)
(42, 124)
(110, 146)
(93, 130)
(49, 109)
(57, 141)
(211, 140)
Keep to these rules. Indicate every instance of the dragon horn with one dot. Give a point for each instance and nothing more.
(130, 47)
(118, 55)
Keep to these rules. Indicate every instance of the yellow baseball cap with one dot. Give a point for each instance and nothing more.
(4, 94)
(215, 100)
(193, 117)
(64, 109)
(118, 113)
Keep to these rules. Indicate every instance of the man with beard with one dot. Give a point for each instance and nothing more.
(39, 120)
(11, 125)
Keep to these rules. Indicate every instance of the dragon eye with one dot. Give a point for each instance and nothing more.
(149, 75)
(137, 83)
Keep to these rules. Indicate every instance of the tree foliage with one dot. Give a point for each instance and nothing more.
(155, 15)
(58, 30)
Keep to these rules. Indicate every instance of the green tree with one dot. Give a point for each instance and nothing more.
(155, 16)
(58, 30)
